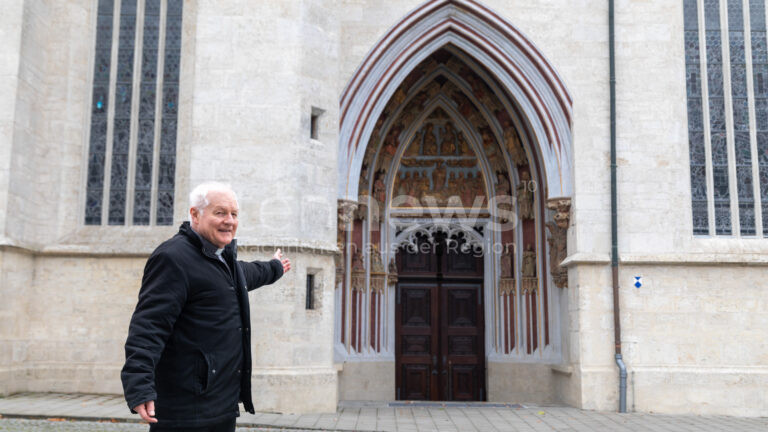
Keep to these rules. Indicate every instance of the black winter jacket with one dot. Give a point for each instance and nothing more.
(189, 341)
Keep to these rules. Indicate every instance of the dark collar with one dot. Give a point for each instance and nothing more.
(207, 247)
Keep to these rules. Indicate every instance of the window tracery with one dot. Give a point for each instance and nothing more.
(724, 87)
(132, 143)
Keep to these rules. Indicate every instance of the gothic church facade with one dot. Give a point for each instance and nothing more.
(438, 171)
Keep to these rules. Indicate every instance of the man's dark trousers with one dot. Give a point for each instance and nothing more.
(225, 426)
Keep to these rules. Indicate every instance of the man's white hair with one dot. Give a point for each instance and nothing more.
(198, 198)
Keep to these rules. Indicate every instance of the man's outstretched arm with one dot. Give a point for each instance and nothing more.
(260, 273)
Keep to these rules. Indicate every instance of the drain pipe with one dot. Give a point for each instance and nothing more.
(614, 223)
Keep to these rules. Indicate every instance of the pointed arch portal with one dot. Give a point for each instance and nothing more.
(452, 112)
(530, 81)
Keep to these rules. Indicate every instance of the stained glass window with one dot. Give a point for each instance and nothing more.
(148, 93)
(760, 84)
(695, 120)
(167, 171)
(717, 116)
(740, 104)
(98, 135)
(132, 150)
(720, 108)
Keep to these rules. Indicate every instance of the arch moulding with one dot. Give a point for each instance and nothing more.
(521, 69)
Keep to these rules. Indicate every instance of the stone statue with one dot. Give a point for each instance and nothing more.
(525, 197)
(377, 266)
(463, 146)
(558, 239)
(430, 144)
(516, 152)
(438, 177)
(392, 272)
(506, 263)
(557, 253)
(357, 261)
(502, 187)
(448, 146)
(379, 190)
(529, 262)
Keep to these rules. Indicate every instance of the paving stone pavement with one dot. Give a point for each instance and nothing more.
(27, 425)
(43, 412)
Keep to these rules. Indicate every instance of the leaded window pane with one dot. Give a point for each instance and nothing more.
(98, 133)
(697, 150)
(695, 115)
(760, 79)
(723, 218)
(716, 114)
(170, 100)
(698, 189)
(164, 207)
(695, 120)
(700, 217)
(122, 125)
(149, 81)
(142, 197)
(741, 117)
(167, 163)
(741, 114)
(96, 173)
(719, 149)
(168, 138)
(747, 218)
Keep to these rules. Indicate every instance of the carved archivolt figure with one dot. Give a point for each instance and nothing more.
(430, 144)
(506, 264)
(529, 262)
(557, 253)
(357, 261)
(502, 188)
(525, 197)
(448, 146)
(438, 177)
(377, 266)
(516, 151)
(463, 146)
(379, 190)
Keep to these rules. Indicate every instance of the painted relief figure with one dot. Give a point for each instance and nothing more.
(525, 196)
(441, 171)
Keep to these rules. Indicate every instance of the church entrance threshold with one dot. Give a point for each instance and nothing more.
(439, 346)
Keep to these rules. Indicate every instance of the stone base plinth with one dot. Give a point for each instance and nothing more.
(295, 390)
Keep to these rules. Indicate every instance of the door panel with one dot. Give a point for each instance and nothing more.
(462, 349)
(439, 346)
(416, 344)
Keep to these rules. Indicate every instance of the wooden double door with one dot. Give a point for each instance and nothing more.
(439, 348)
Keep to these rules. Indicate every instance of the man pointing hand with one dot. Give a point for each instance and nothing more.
(187, 355)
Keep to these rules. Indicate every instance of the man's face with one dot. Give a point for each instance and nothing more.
(217, 222)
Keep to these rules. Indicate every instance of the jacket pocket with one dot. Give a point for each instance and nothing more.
(203, 372)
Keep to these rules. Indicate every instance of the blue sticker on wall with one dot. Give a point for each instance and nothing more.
(638, 281)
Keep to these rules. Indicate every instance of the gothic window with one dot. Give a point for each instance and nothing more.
(132, 142)
(726, 76)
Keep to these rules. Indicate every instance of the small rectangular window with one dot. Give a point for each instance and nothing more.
(310, 299)
(314, 122)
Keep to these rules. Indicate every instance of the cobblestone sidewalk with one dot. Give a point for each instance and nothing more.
(369, 416)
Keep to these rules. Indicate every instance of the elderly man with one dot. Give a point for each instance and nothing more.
(188, 351)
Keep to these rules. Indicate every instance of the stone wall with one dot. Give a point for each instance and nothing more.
(367, 380)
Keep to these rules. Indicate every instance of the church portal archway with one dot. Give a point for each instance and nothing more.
(454, 128)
